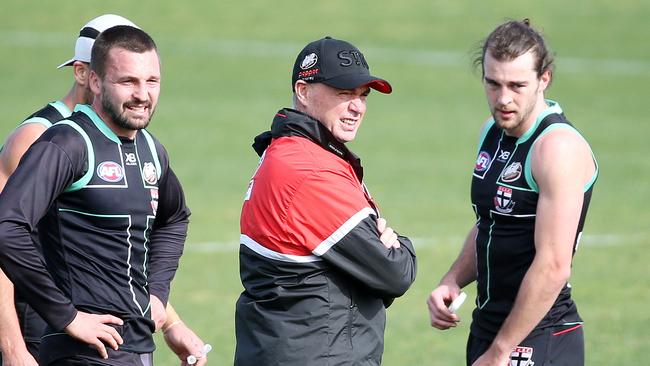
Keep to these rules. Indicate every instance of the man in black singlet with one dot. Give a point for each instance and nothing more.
(531, 188)
(21, 327)
(111, 211)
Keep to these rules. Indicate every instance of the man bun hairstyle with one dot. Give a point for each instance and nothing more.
(122, 36)
(513, 39)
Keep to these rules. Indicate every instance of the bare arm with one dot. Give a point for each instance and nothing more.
(13, 348)
(561, 165)
(181, 339)
(14, 148)
(12, 345)
(461, 273)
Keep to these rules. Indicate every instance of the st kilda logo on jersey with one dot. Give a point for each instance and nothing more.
(503, 200)
(110, 171)
(522, 356)
(154, 200)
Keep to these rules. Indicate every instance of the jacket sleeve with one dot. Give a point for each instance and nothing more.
(168, 234)
(332, 217)
(46, 169)
(360, 253)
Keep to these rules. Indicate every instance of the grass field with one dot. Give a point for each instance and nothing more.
(226, 70)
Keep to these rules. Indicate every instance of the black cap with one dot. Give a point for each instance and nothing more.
(336, 63)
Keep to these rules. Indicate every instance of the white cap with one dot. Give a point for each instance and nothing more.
(89, 33)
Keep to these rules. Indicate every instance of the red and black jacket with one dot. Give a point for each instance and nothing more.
(316, 276)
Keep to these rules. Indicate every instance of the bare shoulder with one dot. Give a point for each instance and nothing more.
(565, 143)
(25, 134)
(17, 143)
(562, 153)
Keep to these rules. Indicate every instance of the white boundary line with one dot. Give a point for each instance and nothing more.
(284, 50)
(596, 240)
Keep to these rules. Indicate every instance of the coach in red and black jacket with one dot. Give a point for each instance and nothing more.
(317, 263)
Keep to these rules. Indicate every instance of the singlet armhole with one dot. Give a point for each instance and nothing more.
(75, 186)
(528, 173)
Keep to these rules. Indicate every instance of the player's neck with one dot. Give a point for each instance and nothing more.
(530, 121)
(69, 99)
(76, 95)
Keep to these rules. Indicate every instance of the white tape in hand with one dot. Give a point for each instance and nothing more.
(458, 301)
(191, 359)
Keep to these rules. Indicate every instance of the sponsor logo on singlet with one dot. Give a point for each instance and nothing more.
(482, 161)
(504, 155)
(130, 159)
(154, 200)
(521, 356)
(512, 172)
(110, 171)
(149, 173)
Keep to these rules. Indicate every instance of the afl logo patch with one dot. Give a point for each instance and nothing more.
(110, 171)
(482, 162)
(149, 173)
(512, 172)
(309, 61)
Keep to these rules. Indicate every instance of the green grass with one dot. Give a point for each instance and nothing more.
(226, 70)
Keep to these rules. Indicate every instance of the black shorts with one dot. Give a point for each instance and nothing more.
(62, 350)
(115, 359)
(559, 346)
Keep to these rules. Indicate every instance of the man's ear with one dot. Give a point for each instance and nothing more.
(301, 90)
(545, 80)
(81, 72)
(94, 82)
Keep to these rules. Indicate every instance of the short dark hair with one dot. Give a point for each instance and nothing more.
(513, 39)
(121, 36)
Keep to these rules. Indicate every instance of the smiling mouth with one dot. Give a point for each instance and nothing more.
(137, 108)
(348, 122)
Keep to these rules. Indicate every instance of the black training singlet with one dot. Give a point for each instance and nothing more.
(504, 198)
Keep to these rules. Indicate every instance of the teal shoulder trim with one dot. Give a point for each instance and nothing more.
(154, 153)
(593, 177)
(486, 128)
(528, 173)
(553, 108)
(62, 108)
(91, 157)
(39, 120)
(528, 169)
(85, 109)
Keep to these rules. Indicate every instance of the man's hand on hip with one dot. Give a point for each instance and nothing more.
(94, 330)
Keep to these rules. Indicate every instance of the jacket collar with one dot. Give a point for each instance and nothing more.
(290, 122)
